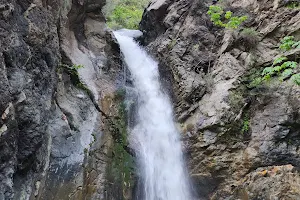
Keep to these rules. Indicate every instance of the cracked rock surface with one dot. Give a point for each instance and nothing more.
(240, 142)
(49, 124)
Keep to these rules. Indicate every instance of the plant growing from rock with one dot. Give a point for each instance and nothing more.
(72, 70)
(122, 165)
(279, 68)
(293, 5)
(225, 19)
(282, 67)
(246, 126)
(288, 42)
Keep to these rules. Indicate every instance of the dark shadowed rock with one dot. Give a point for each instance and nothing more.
(49, 122)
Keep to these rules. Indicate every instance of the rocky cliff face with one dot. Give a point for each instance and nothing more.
(241, 141)
(59, 121)
(53, 136)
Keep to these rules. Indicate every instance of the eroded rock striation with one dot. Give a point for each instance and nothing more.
(241, 141)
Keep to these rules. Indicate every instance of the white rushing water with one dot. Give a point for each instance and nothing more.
(154, 137)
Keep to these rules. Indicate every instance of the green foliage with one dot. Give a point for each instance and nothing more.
(94, 139)
(122, 164)
(286, 74)
(282, 67)
(268, 71)
(296, 45)
(226, 20)
(289, 64)
(296, 78)
(72, 70)
(127, 17)
(76, 67)
(279, 60)
(125, 14)
(287, 43)
(256, 82)
(228, 15)
(246, 125)
(285, 69)
(235, 22)
(215, 13)
(293, 5)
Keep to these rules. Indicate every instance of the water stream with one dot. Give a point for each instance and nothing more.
(154, 137)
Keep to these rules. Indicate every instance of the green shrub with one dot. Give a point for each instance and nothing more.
(287, 69)
(282, 67)
(288, 43)
(125, 14)
(226, 20)
(293, 5)
(296, 78)
(72, 70)
(125, 17)
(246, 126)
(256, 82)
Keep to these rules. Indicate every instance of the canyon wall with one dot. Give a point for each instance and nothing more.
(60, 67)
(241, 139)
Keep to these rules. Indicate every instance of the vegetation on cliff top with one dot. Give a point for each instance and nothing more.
(124, 13)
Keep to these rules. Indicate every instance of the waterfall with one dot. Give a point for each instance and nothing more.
(154, 137)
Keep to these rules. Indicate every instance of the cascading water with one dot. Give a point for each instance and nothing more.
(154, 137)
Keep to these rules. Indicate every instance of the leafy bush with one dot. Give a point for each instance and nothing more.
(293, 5)
(125, 14)
(246, 125)
(285, 69)
(256, 82)
(226, 20)
(282, 67)
(288, 43)
(296, 78)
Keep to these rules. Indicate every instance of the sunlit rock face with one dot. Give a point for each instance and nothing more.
(240, 141)
(50, 123)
